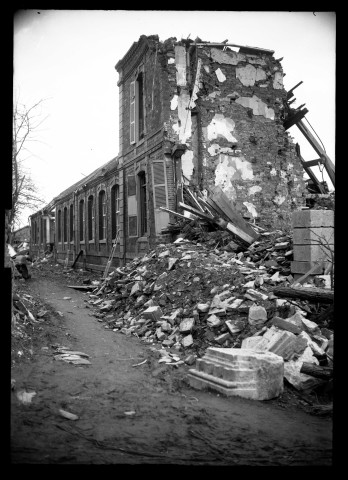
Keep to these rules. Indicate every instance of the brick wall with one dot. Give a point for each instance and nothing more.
(236, 138)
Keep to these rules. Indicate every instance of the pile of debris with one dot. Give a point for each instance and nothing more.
(187, 296)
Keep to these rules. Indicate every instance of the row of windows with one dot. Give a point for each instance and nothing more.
(62, 218)
(36, 238)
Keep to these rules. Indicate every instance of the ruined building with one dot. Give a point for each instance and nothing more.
(190, 112)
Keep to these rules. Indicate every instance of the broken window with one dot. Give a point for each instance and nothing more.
(71, 219)
(102, 215)
(59, 225)
(65, 225)
(142, 203)
(82, 220)
(90, 219)
(115, 210)
(137, 109)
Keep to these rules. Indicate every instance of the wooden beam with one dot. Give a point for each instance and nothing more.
(330, 167)
(311, 175)
(294, 119)
(221, 223)
(175, 213)
(290, 94)
(78, 256)
(222, 201)
(312, 294)
(196, 212)
(235, 230)
(313, 163)
(306, 275)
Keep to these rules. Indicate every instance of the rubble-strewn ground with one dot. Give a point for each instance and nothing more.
(133, 401)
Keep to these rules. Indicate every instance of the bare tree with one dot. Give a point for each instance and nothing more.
(24, 191)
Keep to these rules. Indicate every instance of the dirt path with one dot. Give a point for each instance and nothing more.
(172, 423)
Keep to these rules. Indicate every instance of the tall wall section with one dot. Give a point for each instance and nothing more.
(227, 107)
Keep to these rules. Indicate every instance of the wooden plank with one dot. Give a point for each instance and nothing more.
(78, 256)
(312, 294)
(306, 275)
(82, 287)
(235, 230)
(175, 213)
(218, 196)
(195, 201)
(196, 212)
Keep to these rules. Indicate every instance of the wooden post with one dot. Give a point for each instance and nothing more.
(330, 167)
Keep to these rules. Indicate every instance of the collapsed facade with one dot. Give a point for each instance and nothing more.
(190, 112)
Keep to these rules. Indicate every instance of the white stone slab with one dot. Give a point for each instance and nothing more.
(237, 371)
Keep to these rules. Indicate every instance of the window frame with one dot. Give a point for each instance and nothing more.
(59, 226)
(102, 215)
(90, 219)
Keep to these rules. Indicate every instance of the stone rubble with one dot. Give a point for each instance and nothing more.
(188, 296)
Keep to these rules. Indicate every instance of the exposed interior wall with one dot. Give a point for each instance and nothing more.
(242, 146)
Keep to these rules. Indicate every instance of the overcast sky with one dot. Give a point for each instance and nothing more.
(68, 58)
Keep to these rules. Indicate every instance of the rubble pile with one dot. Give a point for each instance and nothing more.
(190, 295)
(28, 313)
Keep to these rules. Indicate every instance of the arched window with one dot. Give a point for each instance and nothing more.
(142, 203)
(90, 219)
(59, 225)
(71, 220)
(65, 224)
(82, 220)
(102, 215)
(115, 210)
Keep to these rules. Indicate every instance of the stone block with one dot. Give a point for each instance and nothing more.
(312, 253)
(239, 372)
(255, 343)
(154, 313)
(222, 338)
(159, 334)
(282, 344)
(300, 381)
(311, 236)
(313, 218)
(257, 315)
(213, 321)
(186, 325)
(310, 326)
(235, 326)
(187, 341)
(286, 325)
(202, 307)
(303, 267)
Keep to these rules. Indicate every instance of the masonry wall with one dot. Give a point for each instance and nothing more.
(146, 154)
(95, 251)
(227, 108)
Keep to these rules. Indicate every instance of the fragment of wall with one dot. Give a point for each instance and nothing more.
(242, 132)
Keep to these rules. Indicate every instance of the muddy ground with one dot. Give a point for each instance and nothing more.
(138, 414)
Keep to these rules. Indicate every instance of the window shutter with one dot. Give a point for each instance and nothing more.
(159, 179)
(132, 112)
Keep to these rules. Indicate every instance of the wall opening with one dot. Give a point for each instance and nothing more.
(71, 225)
(115, 210)
(102, 215)
(142, 203)
(90, 217)
(82, 220)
